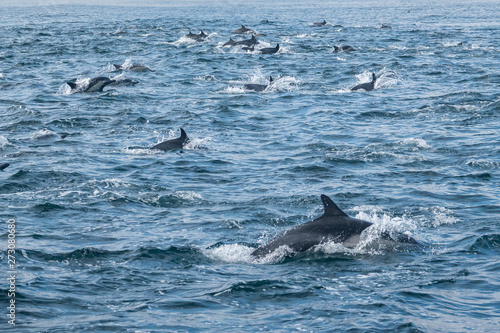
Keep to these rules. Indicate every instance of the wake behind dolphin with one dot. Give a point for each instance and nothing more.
(333, 226)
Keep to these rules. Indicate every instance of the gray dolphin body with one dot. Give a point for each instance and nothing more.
(270, 50)
(96, 84)
(3, 166)
(368, 86)
(134, 68)
(246, 42)
(333, 226)
(319, 24)
(345, 48)
(243, 30)
(199, 38)
(177, 143)
(258, 87)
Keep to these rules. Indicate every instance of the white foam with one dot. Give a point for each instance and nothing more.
(441, 215)
(3, 141)
(483, 164)
(413, 142)
(188, 195)
(44, 134)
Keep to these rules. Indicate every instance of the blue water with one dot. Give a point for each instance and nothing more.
(114, 237)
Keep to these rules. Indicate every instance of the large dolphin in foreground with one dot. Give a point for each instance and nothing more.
(95, 84)
(368, 86)
(177, 143)
(333, 226)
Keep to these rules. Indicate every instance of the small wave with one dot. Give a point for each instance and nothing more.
(440, 216)
(3, 142)
(488, 244)
(483, 164)
(44, 134)
(417, 143)
(205, 78)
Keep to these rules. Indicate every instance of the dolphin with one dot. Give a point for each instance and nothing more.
(174, 143)
(270, 50)
(199, 38)
(247, 42)
(244, 30)
(95, 84)
(368, 86)
(134, 67)
(124, 82)
(345, 48)
(230, 42)
(319, 24)
(334, 225)
(3, 166)
(258, 87)
(385, 26)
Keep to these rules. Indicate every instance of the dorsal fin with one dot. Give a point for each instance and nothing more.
(183, 134)
(271, 79)
(72, 85)
(374, 78)
(331, 208)
(243, 26)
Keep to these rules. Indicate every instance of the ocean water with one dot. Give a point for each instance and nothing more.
(114, 237)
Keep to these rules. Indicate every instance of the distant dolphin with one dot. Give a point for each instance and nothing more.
(385, 26)
(333, 226)
(368, 86)
(96, 84)
(246, 42)
(3, 166)
(270, 50)
(134, 67)
(248, 48)
(258, 87)
(230, 42)
(345, 48)
(174, 143)
(124, 82)
(199, 38)
(319, 24)
(244, 30)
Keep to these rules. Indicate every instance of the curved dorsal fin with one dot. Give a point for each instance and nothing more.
(183, 134)
(72, 85)
(331, 208)
(243, 26)
(374, 78)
